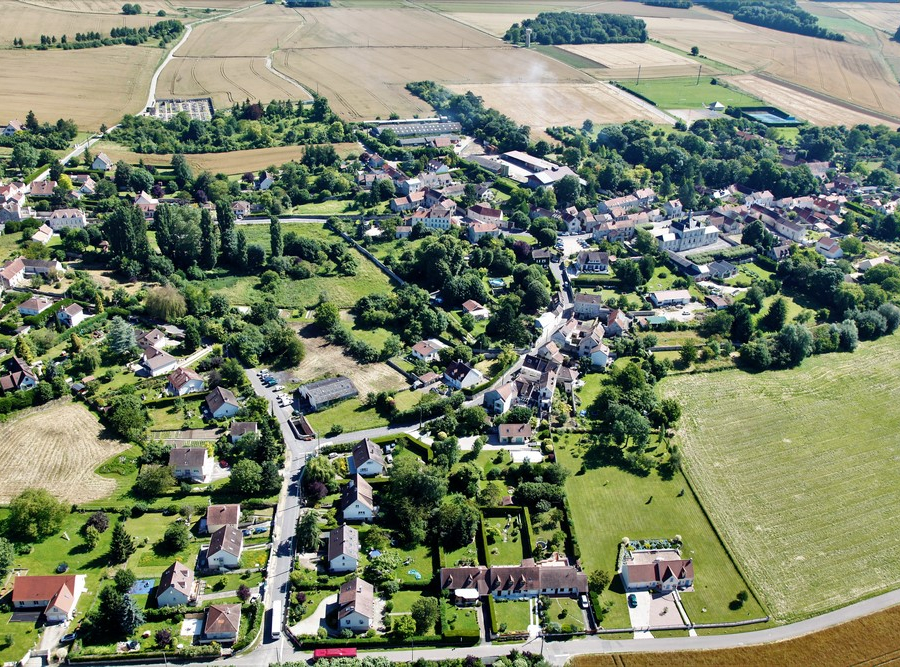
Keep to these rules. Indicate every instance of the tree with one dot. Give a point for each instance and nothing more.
(34, 515)
(181, 171)
(456, 521)
(275, 236)
(404, 626)
(91, 537)
(424, 612)
(567, 189)
(177, 537)
(309, 533)
(243, 592)
(598, 580)
(128, 417)
(742, 325)
(99, 520)
(255, 255)
(130, 617)
(165, 303)
(120, 340)
(192, 338)
(178, 234)
(124, 580)
(122, 545)
(246, 477)
(23, 349)
(688, 353)
(793, 344)
(7, 556)
(163, 636)
(327, 316)
(209, 243)
(776, 316)
(695, 50)
(629, 274)
(227, 232)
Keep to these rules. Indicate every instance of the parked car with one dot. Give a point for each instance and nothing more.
(71, 637)
(632, 600)
(583, 601)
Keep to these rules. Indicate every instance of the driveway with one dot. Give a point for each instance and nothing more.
(664, 611)
(640, 615)
(571, 245)
(311, 624)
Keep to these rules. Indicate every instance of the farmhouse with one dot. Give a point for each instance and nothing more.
(191, 463)
(321, 394)
(35, 305)
(514, 434)
(184, 381)
(459, 375)
(662, 570)
(176, 586)
(240, 429)
(366, 459)
(343, 549)
(221, 403)
(528, 580)
(358, 501)
(71, 316)
(157, 362)
(12, 127)
(43, 235)
(55, 595)
(219, 516)
(102, 162)
(356, 605)
(675, 297)
(222, 623)
(72, 218)
(19, 377)
(476, 310)
(225, 548)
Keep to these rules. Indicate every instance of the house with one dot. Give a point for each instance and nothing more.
(498, 401)
(408, 203)
(184, 381)
(715, 302)
(87, 186)
(366, 459)
(483, 213)
(72, 218)
(514, 434)
(157, 362)
(43, 235)
(402, 231)
(153, 338)
(867, 264)
(640, 573)
(102, 162)
(550, 351)
(617, 323)
(436, 217)
(356, 605)
(722, 270)
(42, 188)
(673, 208)
(220, 516)
(459, 375)
(147, 204)
(674, 297)
(71, 316)
(528, 580)
(686, 234)
(34, 306)
(176, 586)
(12, 127)
(221, 403)
(600, 356)
(540, 256)
(225, 548)
(55, 595)
(222, 623)
(265, 180)
(240, 429)
(240, 208)
(478, 230)
(829, 247)
(588, 306)
(343, 549)
(326, 392)
(592, 261)
(476, 310)
(191, 463)
(19, 377)
(427, 350)
(358, 501)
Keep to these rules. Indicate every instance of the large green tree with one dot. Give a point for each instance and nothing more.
(178, 234)
(209, 241)
(277, 243)
(35, 514)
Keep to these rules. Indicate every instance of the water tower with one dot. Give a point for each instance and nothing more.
(527, 38)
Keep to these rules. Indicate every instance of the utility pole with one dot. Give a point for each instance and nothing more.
(699, 69)
(639, 76)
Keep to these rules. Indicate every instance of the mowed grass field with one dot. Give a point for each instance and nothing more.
(687, 93)
(56, 447)
(799, 471)
(871, 640)
(608, 504)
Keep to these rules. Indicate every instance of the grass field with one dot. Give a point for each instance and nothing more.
(799, 466)
(56, 447)
(685, 93)
(507, 549)
(514, 614)
(608, 504)
(351, 414)
(871, 640)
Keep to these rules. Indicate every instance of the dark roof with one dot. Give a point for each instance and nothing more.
(515, 430)
(228, 539)
(219, 397)
(366, 450)
(357, 595)
(187, 457)
(514, 578)
(343, 541)
(458, 370)
(223, 515)
(329, 389)
(240, 429)
(358, 489)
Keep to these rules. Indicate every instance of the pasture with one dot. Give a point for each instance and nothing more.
(56, 447)
(801, 466)
(686, 93)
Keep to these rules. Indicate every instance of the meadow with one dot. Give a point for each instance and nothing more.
(686, 92)
(798, 466)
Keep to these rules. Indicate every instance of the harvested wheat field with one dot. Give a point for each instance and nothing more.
(625, 61)
(30, 22)
(56, 447)
(255, 32)
(881, 16)
(492, 23)
(91, 86)
(799, 470)
(323, 358)
(803, 105)
(97, 6)
(546, 105)
(226, 81)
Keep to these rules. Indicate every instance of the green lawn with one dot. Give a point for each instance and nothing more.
(514, 613)
(260, 233)
(351, 414)
(467, 553)
(662, 279)
(332, 207)
(608, 504)
(685, 93)
(151, 559)
(23, 635)
(462, 620)
(507, 547)
(811, 470)
(566, 611)
(167, 418)
(230, 582)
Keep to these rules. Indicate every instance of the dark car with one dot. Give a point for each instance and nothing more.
(632, 600)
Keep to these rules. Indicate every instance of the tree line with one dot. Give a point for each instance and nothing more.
(164, 31)
(784, 16)
(572, 28)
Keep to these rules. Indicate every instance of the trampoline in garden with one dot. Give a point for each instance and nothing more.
(142, 587)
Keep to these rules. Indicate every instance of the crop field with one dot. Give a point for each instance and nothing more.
(255, 32)
(803, 105)
(91, 86)
(56, 448)
(493, 23)
(801, 467)
(622, 61)
(226, 81)
(545, 105)
(870, 640)
(685, 93)
(104, 6)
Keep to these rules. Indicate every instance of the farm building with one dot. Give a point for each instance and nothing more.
(321, 394)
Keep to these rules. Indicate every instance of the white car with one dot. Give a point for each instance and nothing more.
(278, 387)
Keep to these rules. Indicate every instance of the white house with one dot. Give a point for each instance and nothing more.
(478, 230)
(343, 549)
(158, 362)
(829, 247)
(55, 595)
(427, 350)
(686, 234)
(184, 381)
(459, 375)
(640, 573)
(73, 218)
(482, 213)
(498, 401)
(43, 234)
(102, 162)
(358, 501)
(12, 127)
(356, 605)
(476, 310)
(71, 316)
(191, 463)
(514, 434)
(592, 261)
(34, 306)
(225, 548)
(220, 516)
(366, 459)
(673, 297)
(588, 306)
(221, 403)
(176, 586)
